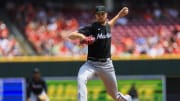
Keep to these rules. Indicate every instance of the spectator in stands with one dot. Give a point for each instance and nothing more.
(177, 29)
(8, 45)
(156, 50)
(172, 12)
(148, 16)
(141, 45)
(157, 11)
(47, 28)
(122, 21)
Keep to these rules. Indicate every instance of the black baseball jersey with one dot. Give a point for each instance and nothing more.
(36, 87)
(101, 48)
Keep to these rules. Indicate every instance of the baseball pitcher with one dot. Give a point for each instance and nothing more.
(98, 37)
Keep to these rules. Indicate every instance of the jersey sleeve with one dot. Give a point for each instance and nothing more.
(86, 30)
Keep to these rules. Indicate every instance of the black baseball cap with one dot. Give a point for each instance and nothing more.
(100, 8)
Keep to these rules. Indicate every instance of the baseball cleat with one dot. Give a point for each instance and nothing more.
(124, 97)
(127, 98)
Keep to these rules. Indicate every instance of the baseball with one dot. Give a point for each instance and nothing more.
(126, 11)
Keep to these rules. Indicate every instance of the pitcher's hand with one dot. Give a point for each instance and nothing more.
(88, 40)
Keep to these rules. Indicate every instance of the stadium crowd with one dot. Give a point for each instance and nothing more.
(8, 44)
(154, 31)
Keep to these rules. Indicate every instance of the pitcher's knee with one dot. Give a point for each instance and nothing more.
(81, 79)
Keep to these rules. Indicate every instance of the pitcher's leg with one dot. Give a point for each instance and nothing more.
(109, 79)
(85, 73)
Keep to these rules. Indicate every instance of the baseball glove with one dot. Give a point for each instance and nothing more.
(43, 97)
(88, 40)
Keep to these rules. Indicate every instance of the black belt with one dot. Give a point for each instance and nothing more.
(98, 59)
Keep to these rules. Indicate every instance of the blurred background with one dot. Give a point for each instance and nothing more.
(145, 46)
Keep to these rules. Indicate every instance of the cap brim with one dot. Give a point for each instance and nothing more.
(101, 12)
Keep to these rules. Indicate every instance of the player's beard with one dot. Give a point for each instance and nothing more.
(102, 21)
